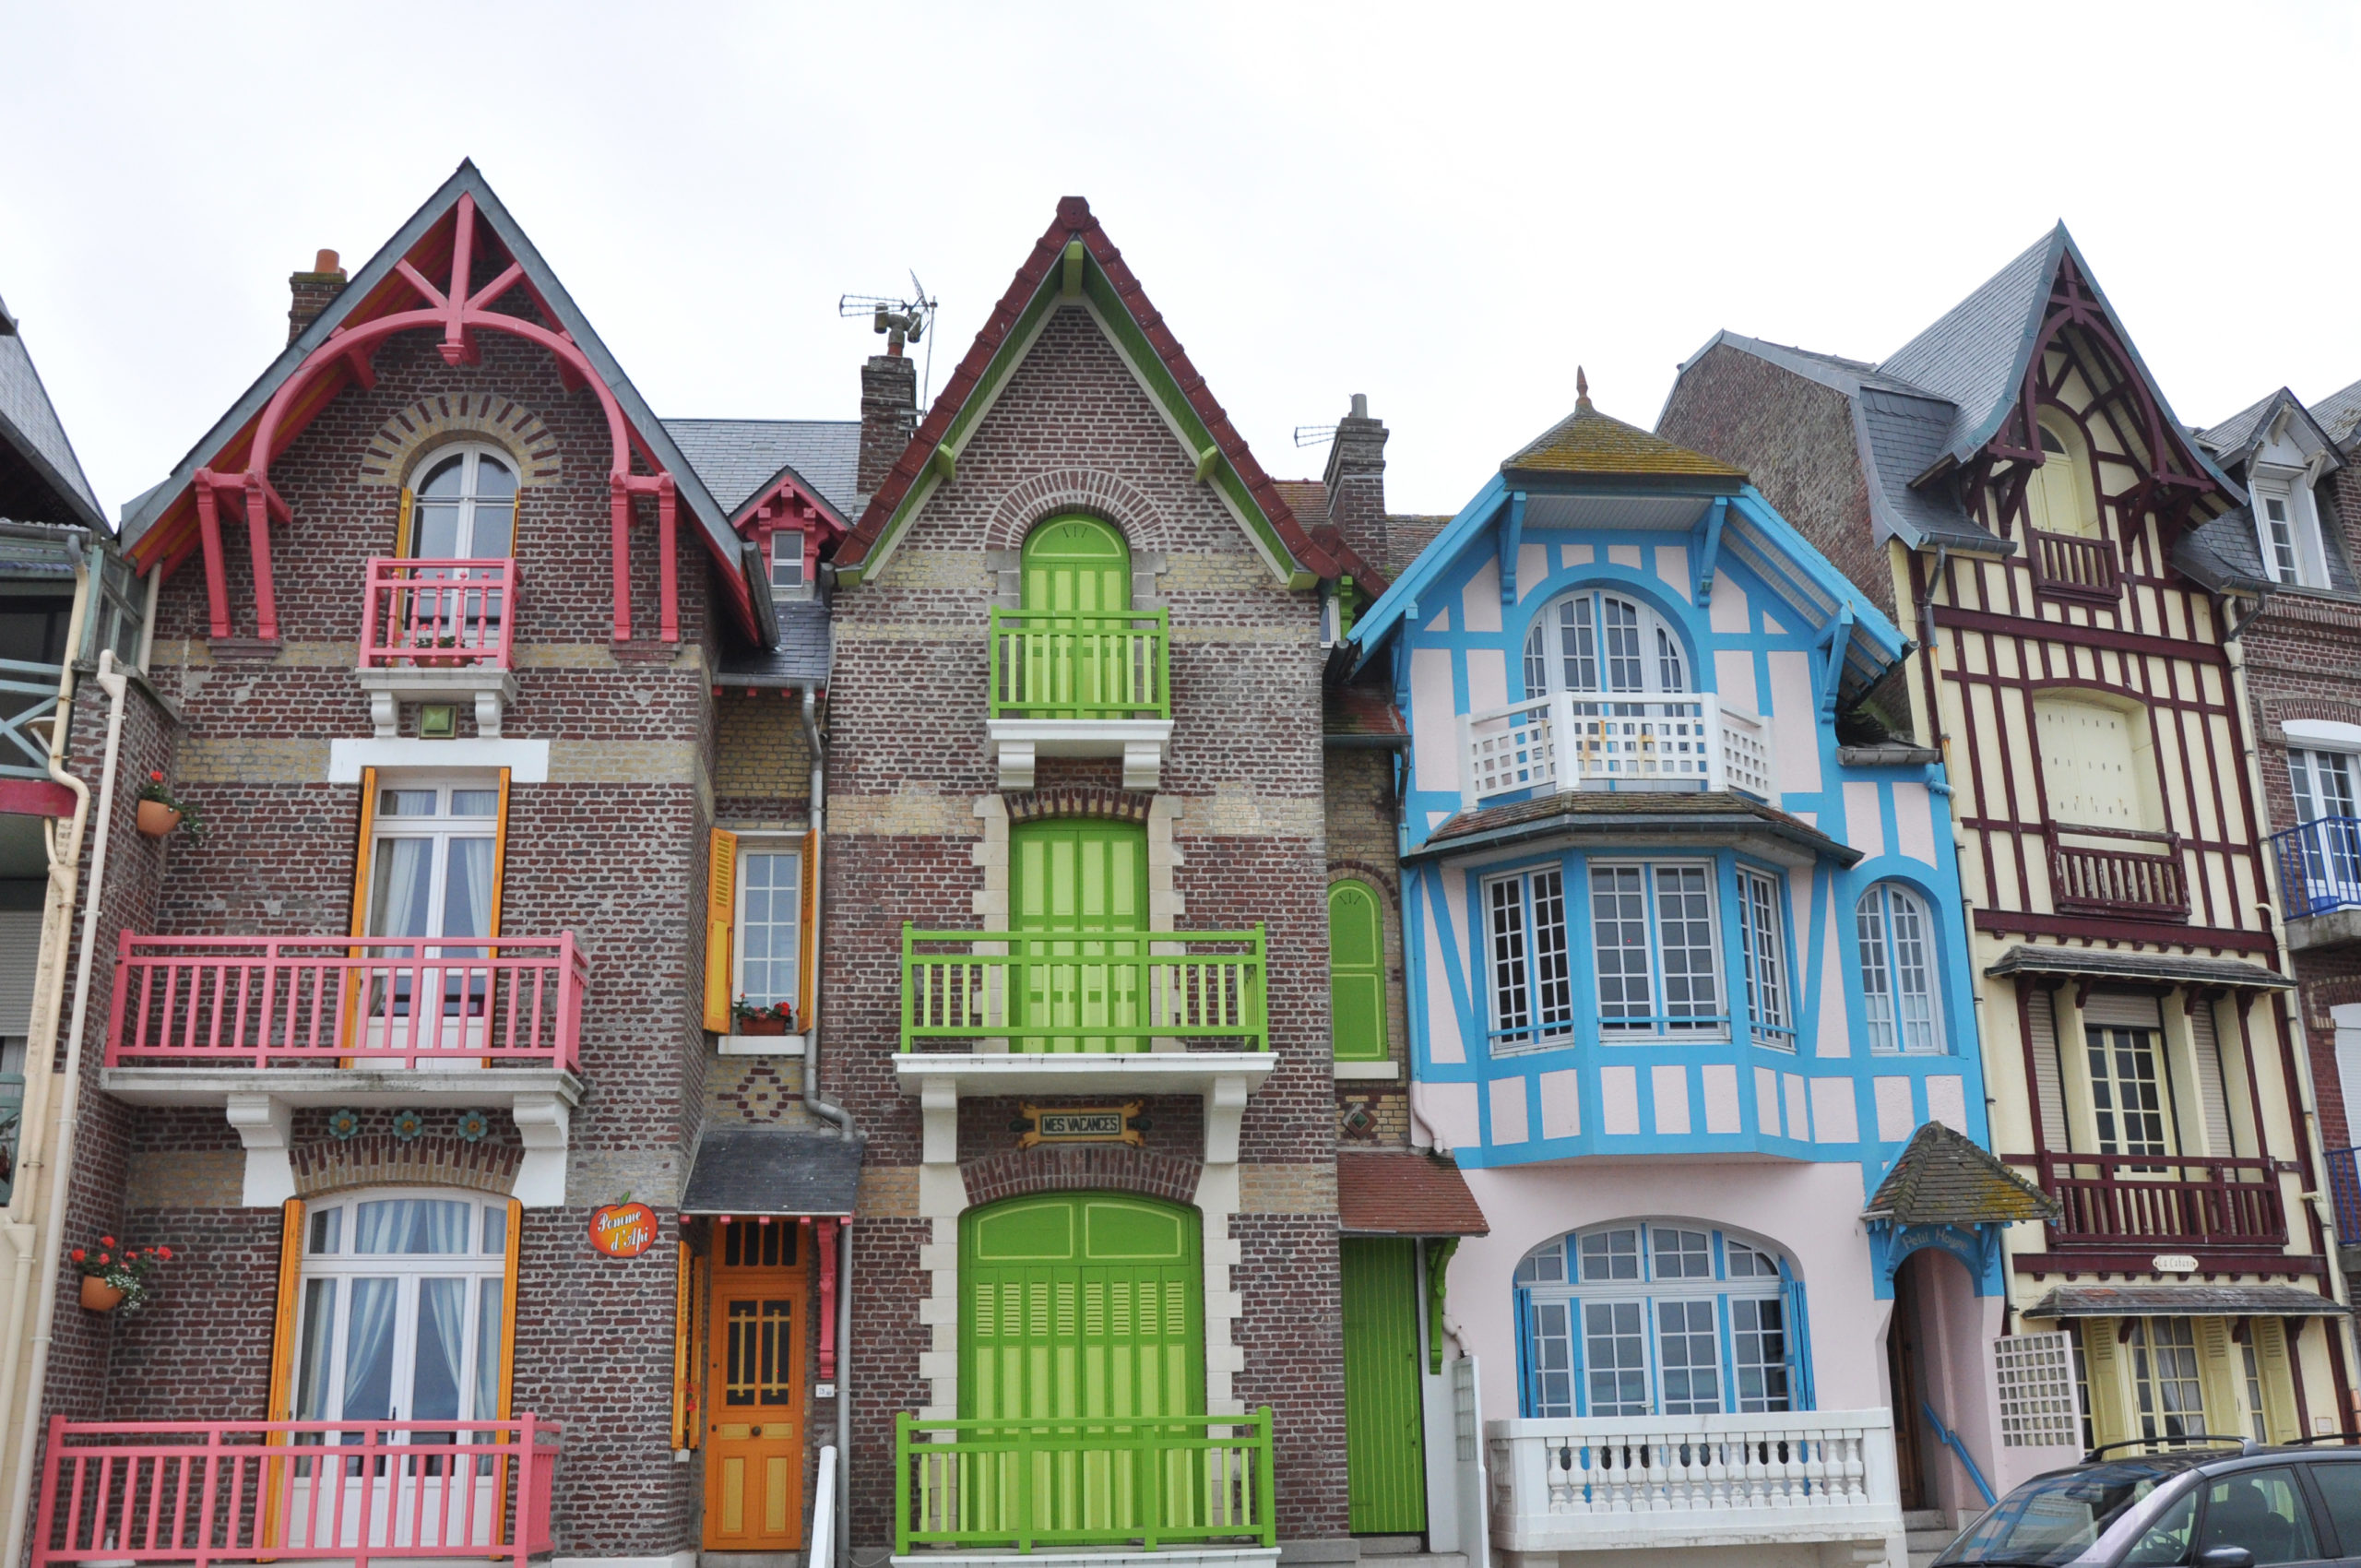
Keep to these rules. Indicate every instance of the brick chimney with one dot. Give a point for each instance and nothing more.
(889, 411)
(1356, 481)
(312, 292)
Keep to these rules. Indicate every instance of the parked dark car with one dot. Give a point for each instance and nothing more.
(2232, 1506)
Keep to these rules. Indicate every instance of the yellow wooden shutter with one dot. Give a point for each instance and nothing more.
(681, 1332)
(508, 1312)
(361, 855)
(720, 910)
(290, 1289)
(2278, 1379)
(2222, 1375)
(807, 962)
(2103, 1358)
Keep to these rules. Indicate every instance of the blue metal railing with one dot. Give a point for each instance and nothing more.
(2320, 865)
(2344, 1191)
(1950, 1440)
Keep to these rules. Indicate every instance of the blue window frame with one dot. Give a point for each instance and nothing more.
(1531, 977)
(1641, 1318)
(1762, 928)
(1653, 950)
(1898, 999)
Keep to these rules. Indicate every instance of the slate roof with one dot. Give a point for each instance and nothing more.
(800, 659)
(2184, 1300)
(2340, 412)
(1042, 270)
(1624, 810)
(1587, 444)
(1944, 1178)
(2232, 433)
(30, 425)
(1404, 1194)
(759, 1171)
(2106, 963)
(1972, 355)
(738, 459)
(2224, 555)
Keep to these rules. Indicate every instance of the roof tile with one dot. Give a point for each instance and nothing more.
(1405, 1193)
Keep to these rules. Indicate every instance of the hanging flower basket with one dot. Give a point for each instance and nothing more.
(113, 1274)
(160, 812)
(99, 1296)
(155, 819)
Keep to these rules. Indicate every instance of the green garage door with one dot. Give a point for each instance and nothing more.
(1385, 1454)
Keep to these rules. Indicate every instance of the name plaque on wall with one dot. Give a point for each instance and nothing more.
(1080, 1125)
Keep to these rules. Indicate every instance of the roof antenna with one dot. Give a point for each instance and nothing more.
(1581, 388)
(899, 321)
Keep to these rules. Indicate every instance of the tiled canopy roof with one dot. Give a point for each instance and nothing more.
(1589, 443)
(1404, 1194)
(2184, 1300)
(1943, 1178)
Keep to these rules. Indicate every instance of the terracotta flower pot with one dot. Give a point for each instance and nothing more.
(156, 818)
(100, 1296)
(761, 1026)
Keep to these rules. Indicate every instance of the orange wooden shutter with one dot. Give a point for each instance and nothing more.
(361, 855)
(721, 911)
(401, 527)
(807, 961)
(508, 1313)
(282, 1406)
(681, 1333)
(499, 855)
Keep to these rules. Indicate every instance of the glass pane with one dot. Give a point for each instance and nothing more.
(2166, 1540)
(1685, 933)
(1552, 1357)
(412, 1225)
(1615, 1351)
(1512, 1014)
(1553, 984)
(1683, 1254)
(493, 481)
(434, 533)
(489, 1303)
(475, 803)
(496, 1230)
(1876, 989)
(2263, 1511)
(466, 889)
(489, 530)
(1688, 1358)
(447, 477)
(1619, 946)
(1578, 647)
(768, 916)
(311, 1351)
(400, 887)
(441, 1343)
(1759, 1338)
(2340, 1487)
(405, 803)
(327, 1229)
(1914, 977)
(1619, 628)
(1611, 1254)
(369, 1350)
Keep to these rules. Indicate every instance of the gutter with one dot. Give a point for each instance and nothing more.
(817, 741)
(1365, 742)
(1586, 823)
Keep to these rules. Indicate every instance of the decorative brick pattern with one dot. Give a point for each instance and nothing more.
(394, 452)
(1119, 805)
(1109, 1168)
(387, 1161)
(1092, 491)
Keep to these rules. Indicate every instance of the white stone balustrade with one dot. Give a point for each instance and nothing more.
(1595, 741)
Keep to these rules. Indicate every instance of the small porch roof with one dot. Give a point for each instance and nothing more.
(1944, 1178)
(771, 1170)
(2155, 968)
(2184, 1300)
(1405, 1194)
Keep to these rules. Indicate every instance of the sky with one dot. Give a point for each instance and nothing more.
(1447, 207)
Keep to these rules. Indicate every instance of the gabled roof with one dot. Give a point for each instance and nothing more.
(2340, 412)
(1943, 1177)
(52, 488)
(1074, 260)
(161, 523)
(1587, 444)
(2235, 441)
(738, 459)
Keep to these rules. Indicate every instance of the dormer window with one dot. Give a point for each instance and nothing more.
(465, 510)
(787, 559)
(2057, 496)
(1602, 642)
(2288, 530)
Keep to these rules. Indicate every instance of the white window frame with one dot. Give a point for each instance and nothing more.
(1541, 1016)
(473, 456)
(484, 1267)
(1898, 1030)
(2311, 781)
(1661, 1024)
(440, 829)
(793, 541)
(789, 845)
(1551, 1275)
(2304, 562)
(1665, 667)
(1770, 978)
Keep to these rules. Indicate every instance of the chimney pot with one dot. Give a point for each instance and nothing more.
(1360, 405)
(324, 262)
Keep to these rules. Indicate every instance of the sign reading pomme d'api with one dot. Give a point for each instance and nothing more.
(623, 1231)
(1080, 1125)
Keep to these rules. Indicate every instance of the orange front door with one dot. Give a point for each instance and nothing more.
(753, 1439)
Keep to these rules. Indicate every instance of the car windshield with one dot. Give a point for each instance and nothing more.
(2054, 1519)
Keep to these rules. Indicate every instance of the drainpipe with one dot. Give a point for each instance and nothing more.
(832, 1113)
(60, 1149)
(64, 851)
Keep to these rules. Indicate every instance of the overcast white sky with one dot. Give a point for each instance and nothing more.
(1444, 206)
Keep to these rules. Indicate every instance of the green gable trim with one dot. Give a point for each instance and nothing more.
(1115, 320)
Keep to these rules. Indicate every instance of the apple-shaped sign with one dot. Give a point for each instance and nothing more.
(623, 1231)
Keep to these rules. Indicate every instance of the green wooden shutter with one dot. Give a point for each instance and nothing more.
(1356, 974)
(1079, 874)
(1384, 1449)
(1079, 571)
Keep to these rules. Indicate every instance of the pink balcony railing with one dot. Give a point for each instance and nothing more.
(374, 1002)
(430, 614)
(202, 1492)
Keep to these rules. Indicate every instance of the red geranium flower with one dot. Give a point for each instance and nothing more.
(156, 775)
(106, 1241)
(77, 1255)
(165, 1252)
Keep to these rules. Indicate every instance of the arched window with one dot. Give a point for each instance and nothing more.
(1355, 973)
(2058, 493)
(1641, 1318)
(1898, 969)
(404, 1307)
(1597, 641)
(465, 509)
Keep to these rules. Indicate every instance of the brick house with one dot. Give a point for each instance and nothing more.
(2011, 486)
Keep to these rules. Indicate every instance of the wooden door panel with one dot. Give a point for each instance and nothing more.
(754, 1413)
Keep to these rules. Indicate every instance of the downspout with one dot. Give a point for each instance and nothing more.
(64, 852)
(831, 1112)
(61, 1142)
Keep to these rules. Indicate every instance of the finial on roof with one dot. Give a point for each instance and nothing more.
(1581, 388)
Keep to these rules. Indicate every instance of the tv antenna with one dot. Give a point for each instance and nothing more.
(1315, 434)
(899, 321)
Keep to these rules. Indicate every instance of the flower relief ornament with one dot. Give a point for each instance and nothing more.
(473, 1125)
(409, 1125)
(343, 1124)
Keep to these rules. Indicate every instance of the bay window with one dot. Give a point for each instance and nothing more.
(1655, 952)
(1764, 950)
(1652, 941)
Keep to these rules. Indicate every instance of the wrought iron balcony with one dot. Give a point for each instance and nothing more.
(1080, 667)
(1083, 1480)
(2153, 1202)
(1093, 992)
(2098, 879)
(207, 1492)
(1605, 1483)
(2319, 866)
(439, 631)
(1571, 741)
(260, 1002)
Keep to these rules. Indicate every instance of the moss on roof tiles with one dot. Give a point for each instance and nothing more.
(1588, 442)
(1944, 1178)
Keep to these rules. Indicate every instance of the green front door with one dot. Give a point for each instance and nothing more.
(1075, 876)
(1073, 1305)
(1385, 1452)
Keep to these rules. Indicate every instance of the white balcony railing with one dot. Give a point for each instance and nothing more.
(1596, 741)
(1638, 1481)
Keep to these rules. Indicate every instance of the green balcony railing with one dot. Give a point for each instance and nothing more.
(1048, 665)
(1045, 991)
(1083, 1480)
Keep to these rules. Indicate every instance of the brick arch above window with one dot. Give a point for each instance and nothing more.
(387, 1162)
(1079, 800)
(403, 441)
(1377, 876)
(1109, 1168)
(1093, 491)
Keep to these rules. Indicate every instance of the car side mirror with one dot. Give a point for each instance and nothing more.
(2225, 1557)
